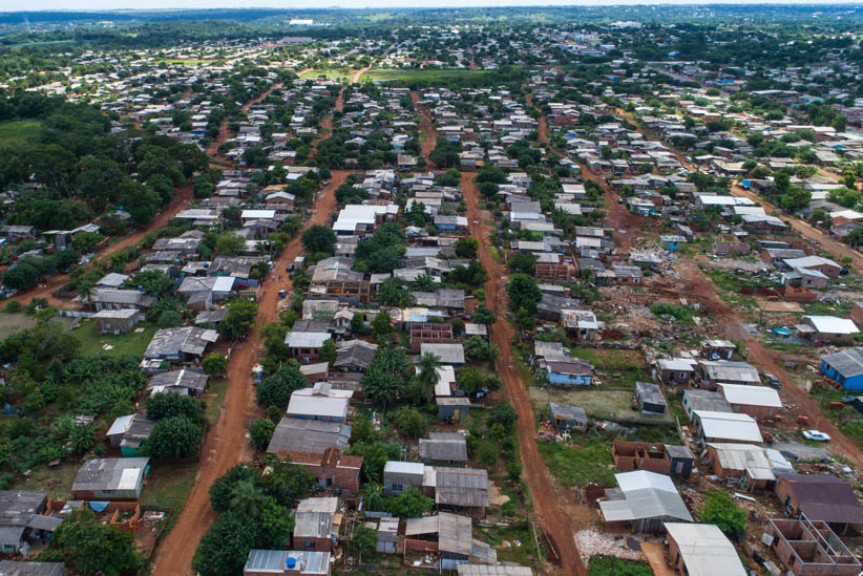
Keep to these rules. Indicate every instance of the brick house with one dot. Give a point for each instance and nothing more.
(333, 470)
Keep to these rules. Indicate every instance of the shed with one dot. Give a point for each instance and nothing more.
(845, 368)
(388, 536)
(645, 499)
(650, 398)
(568, 417)
(704, 400)
(453, 408)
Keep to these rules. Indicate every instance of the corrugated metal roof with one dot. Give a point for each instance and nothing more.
(728, 426)
(751, 395)
(705, 550)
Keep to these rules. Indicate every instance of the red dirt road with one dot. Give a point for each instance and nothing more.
(226, 444)
(555, 523)
(426, 126)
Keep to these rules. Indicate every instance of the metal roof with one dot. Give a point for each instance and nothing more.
(446, 353)
(21, 568)
(448, 446)
(310, 563)
(849, 363)
(751, 395)
(728, 426)
(465, 487)
(645, 495)
(318, 406)
(832, 325)
(296, 434)
(499, 570)
(728, 371)
(110, 474)
(705, 550)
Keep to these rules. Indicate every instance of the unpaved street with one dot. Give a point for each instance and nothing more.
(547, 504)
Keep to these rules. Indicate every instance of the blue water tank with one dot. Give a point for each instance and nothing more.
(291, 562)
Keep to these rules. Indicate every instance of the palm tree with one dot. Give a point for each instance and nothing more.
(373, 495)
(427, 375)
(246, 498)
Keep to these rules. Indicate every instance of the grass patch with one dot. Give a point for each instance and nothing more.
(847, 419)
(618, 368)
(169, 486)
(611, 566)
(513, 543)
(681, 314)
(56, 481)
(18, 322)
(599, 403)
(214, 399)
(330, 73)
(584, 461)
(19, 131)
(434, 76)
(131, 344)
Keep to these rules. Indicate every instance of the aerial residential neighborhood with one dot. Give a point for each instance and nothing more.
(477, 291)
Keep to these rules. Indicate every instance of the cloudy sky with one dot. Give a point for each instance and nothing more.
(31, 5)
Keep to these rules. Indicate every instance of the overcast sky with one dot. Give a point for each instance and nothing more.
(31, 5)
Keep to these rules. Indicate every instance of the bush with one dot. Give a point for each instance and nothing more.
(720, 509)
(175, 438)
(260, 433)
(13, 306)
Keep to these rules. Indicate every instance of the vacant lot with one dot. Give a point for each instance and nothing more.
(56, 481)
(584, 460)
(169, 485)
(19, 131)
(600, 404)
(617, 368)
(96, 344)
(12, 323)
(330, 73)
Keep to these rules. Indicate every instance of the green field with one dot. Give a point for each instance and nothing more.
(19, 131)
(429, 77)
(586, 460)
(132, 344)
(599, 403)
(12, 323)
(330, 73)
(169, 485)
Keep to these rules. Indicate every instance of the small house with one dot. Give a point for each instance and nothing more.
(645, 500)
(573, 372)
(760, 402)
(717, 349)
(676, 371)
(462, 489)
(650, 398)
(704, 400)
(820, 497)
(129, 433)
(702, 550)
(845, 368)
(451, 536)
(750, 467)
(658, 458)
(444, 449)
(117, 321)
(452, 409)
(399, 476)
(186, 381)
(111, 479)
(183, 345)
(727, 372)
(726, 427)
(828, 329)
(315, 527)
(332, 469)
(566, 417)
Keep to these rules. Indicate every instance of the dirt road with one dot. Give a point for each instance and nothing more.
(426, 127)
(226, 443)
(547, 505)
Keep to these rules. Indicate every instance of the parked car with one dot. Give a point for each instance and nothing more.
(282, 294)
(816, 436)
(772, 380)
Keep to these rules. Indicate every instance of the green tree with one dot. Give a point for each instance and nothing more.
(90, 547)
(466, 247)
(83, 438)
(373, 496)
(394, 292)
(427, 376)
(246, 498)
(363, 541)
(719, 508)
(276, 389)
(161, 406)
(410, 422)
(503, 414)
(382, 325)
(319, 240)
(410, 504)
(328, 352)
(261, 432)
(484, 315)
(275, 525)
(223, 487)
(225, 548)
(239, 320)
(175, 438)
(796, 200)
(387, 375)
(215, 364)
(523, 293)
(287, 482)
(229, 244)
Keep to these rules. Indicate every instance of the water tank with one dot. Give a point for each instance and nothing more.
(291, 562)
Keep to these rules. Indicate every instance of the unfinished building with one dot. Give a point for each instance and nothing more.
(659, 458)
(808, 548)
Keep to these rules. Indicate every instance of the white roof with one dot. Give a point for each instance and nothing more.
(120, 425)
(129, 478)
(353, 215)
(446, 378)
(258, 214)
(728, 426)
(832, 325)
(705, 550)
(223, 284)
(306, 339)
(318, 406)
(398, 467)
(751, 395)
(677, 364)
(810, 262)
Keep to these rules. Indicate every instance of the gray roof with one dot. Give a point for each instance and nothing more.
(189, 340)
(295, 434)
(645, 495)
(454, 532)
(110, 474)
(567, 412)
(445, 446)
(355, 353)
(120, 296)
(650, 392)
(15, 568)
(728, 371)
(849, 362)
(706, 400)
(446, 353)
(464, 487)
(189, 378)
